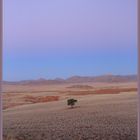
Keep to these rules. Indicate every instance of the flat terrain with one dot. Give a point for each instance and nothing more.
(105, 111)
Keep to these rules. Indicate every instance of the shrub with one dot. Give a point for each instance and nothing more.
(71, 102)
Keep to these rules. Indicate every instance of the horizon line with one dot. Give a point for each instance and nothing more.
(56, 78)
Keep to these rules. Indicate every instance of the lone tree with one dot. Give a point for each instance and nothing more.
(71, 102)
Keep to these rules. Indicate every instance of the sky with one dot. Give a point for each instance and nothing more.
(51, 38)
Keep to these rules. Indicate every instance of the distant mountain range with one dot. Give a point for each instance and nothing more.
(78, 79)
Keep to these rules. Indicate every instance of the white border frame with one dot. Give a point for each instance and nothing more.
(138, 44)
(1, 44)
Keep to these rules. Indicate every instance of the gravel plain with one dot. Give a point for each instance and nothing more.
(113, 117)
(95, 117)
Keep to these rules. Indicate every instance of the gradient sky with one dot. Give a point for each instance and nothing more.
(61, 38)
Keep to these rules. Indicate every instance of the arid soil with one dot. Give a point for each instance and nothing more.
(103, 112)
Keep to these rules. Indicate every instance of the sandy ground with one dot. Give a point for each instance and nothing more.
(95, 117)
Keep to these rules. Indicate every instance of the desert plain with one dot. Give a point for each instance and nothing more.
(104, 111)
